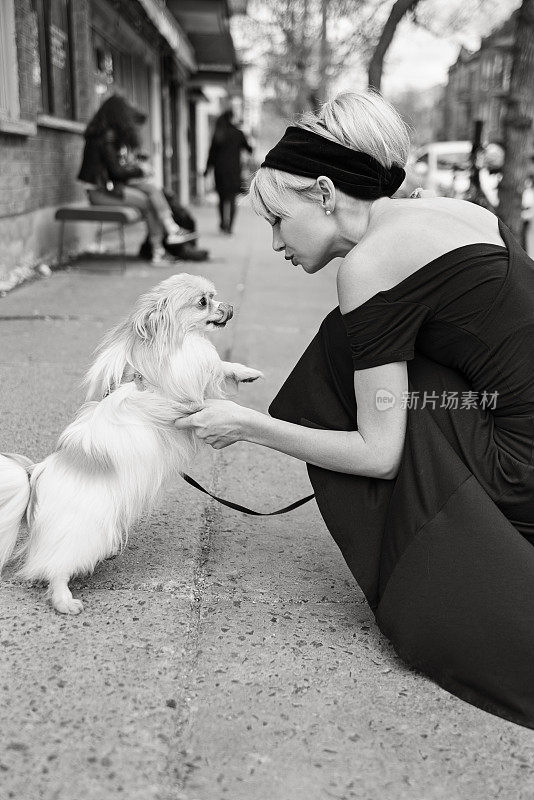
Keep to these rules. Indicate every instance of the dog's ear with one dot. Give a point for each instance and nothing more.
(112, 358)
(151, 320)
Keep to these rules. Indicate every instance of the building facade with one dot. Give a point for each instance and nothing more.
(424, 113)
(478, 85)
(59, 59)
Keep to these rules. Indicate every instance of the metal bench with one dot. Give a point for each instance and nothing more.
(81, 212)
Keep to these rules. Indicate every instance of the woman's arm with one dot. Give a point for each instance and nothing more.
(245, 143)
(374, 450)
(339, 451)
(117, 172)
(211, 156)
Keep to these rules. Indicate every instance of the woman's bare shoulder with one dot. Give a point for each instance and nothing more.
(405, 237)
(436, 222)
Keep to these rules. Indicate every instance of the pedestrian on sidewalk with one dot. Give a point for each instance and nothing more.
(119, 174)
(225, 158)
(430, 500)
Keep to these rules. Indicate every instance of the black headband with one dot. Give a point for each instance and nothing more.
(303, 152)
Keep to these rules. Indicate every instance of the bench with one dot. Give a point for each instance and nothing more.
(81, 212)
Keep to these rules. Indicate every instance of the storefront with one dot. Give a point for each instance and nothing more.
(59, 59)
(217, 79)
(124, 63)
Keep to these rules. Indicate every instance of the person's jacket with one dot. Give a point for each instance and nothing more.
(225, 158)
(102, 167)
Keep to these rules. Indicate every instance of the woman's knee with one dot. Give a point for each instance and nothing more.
(136, 198)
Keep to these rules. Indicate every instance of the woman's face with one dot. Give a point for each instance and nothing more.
(306, 237)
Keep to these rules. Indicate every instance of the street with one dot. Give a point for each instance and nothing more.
(220, 655)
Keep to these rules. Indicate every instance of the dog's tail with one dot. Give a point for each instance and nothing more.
(14, 498)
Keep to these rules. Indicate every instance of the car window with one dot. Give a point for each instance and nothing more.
(453, 159)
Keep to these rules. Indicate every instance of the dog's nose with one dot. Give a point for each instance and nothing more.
(227, 311)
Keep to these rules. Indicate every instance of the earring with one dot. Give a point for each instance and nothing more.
(327, 213)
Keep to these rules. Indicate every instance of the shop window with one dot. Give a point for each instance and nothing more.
(55, 52)
(9, 87)
(119, 72)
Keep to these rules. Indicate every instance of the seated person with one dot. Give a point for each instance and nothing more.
(118, 179)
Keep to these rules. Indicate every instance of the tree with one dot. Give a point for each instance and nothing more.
(518, 135)
(456, 19)
(376, 65)
(303, 46)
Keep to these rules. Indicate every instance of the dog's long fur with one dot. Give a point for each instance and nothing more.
(112, 460)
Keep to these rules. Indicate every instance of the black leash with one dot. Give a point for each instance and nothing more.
(244, 510)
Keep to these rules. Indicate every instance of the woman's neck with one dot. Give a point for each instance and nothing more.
(355, 219)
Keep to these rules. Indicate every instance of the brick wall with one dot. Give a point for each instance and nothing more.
(84, 97)
(40, 171)
(27, 53)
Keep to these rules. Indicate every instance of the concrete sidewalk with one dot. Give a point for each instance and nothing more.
(220, 656)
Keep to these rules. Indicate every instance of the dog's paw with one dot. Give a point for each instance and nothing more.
(66, 606)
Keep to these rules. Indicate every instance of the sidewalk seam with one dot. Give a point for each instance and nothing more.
(180, 769)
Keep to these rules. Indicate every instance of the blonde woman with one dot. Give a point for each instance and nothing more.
(414, 404)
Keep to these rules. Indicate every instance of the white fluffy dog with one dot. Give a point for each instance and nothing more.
(111, 462)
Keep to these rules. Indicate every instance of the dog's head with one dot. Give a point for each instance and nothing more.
(179, 305)
(161, 319)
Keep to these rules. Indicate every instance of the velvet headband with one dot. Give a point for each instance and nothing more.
(305, 153)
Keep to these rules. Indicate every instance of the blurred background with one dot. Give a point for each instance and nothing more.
(460, 72)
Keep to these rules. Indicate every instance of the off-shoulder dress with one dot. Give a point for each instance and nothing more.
(444, 552)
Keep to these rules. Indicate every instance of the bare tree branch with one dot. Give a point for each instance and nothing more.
(376, 65)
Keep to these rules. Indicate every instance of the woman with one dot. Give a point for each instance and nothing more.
(117, 179)
(225, 158)
(414, 404)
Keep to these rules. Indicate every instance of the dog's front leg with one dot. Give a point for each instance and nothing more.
(237, 373)
(61, 596)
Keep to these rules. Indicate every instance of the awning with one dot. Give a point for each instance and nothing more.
(206, 23)
(214, 52)
(170, 29)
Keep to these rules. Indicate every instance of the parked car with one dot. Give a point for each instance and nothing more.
(443, 167)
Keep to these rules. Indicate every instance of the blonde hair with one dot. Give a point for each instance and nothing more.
(362, 121)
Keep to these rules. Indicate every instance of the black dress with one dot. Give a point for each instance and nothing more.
(444, 552)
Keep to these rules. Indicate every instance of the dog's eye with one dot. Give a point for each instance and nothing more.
(203, 302)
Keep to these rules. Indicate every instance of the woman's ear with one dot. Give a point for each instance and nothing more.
(328, 193)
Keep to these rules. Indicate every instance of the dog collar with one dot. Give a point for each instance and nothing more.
(134, 377)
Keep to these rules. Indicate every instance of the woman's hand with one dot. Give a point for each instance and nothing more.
(219, 423)
(148, 169)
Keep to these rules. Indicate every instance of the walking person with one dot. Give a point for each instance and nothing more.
(225, 158)
(117, 175)
(413, 406)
